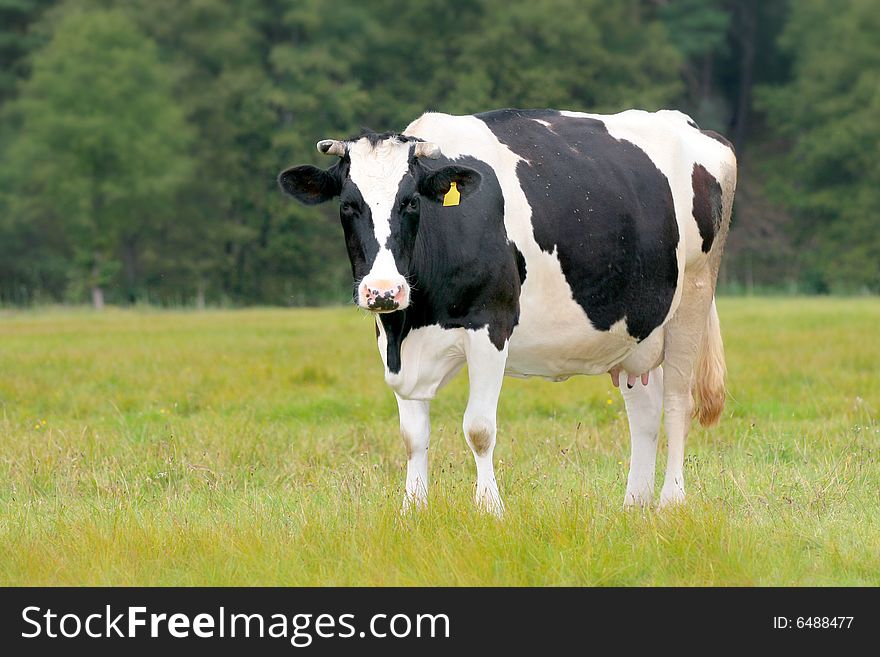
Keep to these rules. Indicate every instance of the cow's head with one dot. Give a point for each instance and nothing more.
(381, 184)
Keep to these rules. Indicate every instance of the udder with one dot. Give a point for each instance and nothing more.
(637, 365)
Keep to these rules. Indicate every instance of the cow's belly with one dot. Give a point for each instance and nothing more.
(558, 350)
(554, 338)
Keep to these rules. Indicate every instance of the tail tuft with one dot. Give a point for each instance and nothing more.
(709, 389)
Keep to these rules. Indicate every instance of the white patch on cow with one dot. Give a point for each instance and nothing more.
(431, 356)
(377, 172)
(384, 267)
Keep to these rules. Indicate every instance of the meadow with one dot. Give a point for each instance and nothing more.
(260, 447)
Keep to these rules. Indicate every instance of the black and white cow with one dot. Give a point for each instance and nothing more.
(578, 244)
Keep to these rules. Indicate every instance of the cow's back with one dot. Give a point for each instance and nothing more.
(602, 209)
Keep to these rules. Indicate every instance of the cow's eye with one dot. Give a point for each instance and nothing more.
(347, 209)
(413, 204)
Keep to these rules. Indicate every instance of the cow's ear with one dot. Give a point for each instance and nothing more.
(309, 184)
(434, 185)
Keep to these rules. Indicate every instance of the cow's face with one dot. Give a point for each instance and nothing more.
(381, 185)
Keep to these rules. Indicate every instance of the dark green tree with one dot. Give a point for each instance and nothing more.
(17, 40)
(465, 57)
(592, 56)
(317, 92)
(699, 30)
(827, 113)
(100, 148)
(140, 139)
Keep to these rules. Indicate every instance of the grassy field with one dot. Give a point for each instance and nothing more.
(260, 447)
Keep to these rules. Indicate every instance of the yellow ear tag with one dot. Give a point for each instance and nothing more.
(453, 196)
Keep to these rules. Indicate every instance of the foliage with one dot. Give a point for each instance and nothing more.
(258, 82)
(17, 40)
(100, 148)
(184, 207)
(830, 175)
(699, 29)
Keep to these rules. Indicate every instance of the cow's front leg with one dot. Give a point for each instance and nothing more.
(486, 374)
(415, 429)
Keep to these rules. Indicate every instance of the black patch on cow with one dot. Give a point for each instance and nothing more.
(520, 263)
(462, 271)
(396, 328)
(356, 218)
(311, 185)
(693, 124)
(707, 204)
(606, 210)
(719, 138)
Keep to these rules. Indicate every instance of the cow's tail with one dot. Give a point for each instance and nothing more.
(709, 390)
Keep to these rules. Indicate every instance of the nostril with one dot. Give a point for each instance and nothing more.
(383, 295)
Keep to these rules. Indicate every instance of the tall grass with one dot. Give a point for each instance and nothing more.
(261, 447)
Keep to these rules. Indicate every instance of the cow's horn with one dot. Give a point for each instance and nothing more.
(427, 149)
(331, 147)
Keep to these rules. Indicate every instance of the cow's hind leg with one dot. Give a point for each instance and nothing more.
(415, 429)
(486, 374)
(644, 406)
(684, 337)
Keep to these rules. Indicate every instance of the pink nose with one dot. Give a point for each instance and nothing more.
(383, 295)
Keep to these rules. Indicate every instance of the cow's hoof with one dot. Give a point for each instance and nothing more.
(413, 504)
(491, 504)
(638, 500)
(671, 496)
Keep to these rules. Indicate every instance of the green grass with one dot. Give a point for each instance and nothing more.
(260, 447)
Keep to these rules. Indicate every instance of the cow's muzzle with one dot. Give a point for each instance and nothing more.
(383, 296)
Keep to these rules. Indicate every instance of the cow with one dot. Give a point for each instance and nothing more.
(539, 243)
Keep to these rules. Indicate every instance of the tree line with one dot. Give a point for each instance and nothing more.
(140, 138)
